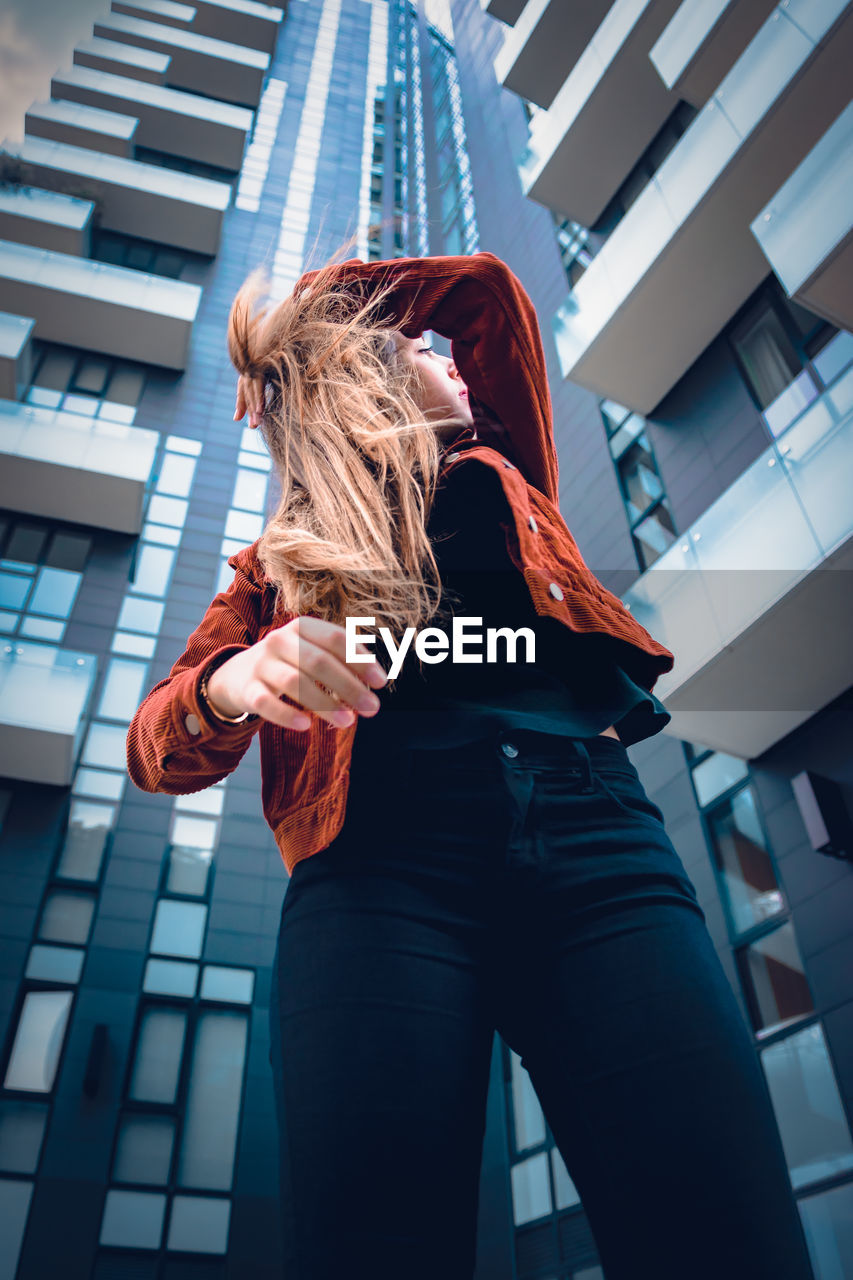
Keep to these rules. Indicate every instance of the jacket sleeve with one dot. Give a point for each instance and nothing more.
(163, 752)
(477, 302)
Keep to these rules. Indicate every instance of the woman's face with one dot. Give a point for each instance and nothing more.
(442, 393)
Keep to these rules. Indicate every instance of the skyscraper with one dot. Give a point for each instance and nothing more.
(696, 398)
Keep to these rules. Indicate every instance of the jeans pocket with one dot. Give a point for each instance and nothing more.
(628, 794)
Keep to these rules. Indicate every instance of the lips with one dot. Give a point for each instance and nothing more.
(463, 395)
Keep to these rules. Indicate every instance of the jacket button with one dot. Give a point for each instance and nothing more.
(534, 526)
(193, 723)
(509, 749)
(556, 591)
(451, 457)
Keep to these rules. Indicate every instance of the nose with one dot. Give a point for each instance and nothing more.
(452, 371)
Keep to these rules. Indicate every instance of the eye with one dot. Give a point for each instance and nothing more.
(424, 351)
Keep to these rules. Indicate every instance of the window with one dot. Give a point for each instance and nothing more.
(531, 1189)
(199, 1224)
(65, 378)
(766, 354)
(774, 981)
(144, 1149)
(159, 1049)
(38, 1042)
(67, 917)
(652, 526)
(40, 576)
(22, 1126)
(133, 1219)
(141, 255)
(809, 1111)
(214, 1097)
(179, 928)
(751, 889)
(777, 346)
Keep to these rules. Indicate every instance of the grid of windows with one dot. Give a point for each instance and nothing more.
(400, 135)
(650, 517)
(458, 212)
(141, 255)
(373, 160)
(95, 386)
(41, 570)
(789, 1035)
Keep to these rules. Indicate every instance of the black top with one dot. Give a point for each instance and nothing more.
(575, 686)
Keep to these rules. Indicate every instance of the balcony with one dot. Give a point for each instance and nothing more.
(68, 466)
(46, 219)
(16, 354)
(138, 199)
(248, 22)
(631, 327)
(181, 124)
(702, 42)
(44, 694)
(544, 45)
(508, 11)
(80, 126)
(121, 60)
(754, 598)
(806, 231)
(108, 309)
(602, 120)
(168, 12)
(199, 64)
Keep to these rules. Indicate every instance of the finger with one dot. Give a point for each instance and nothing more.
(332, 637)
(267, 704)
(316, 679)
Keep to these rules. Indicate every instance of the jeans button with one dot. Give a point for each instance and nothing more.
(509, 749)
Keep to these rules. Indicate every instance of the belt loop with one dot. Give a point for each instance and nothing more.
(586, 764)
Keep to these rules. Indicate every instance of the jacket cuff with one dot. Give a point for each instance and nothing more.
(191, 722)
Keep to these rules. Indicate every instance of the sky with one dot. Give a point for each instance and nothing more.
(37, 37)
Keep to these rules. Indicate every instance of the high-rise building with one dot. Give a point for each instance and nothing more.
(694, 162)
(180, 147)
(668, 183)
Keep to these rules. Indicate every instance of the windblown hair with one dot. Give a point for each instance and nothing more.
(356, 458)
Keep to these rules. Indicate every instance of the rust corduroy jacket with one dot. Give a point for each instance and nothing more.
(480, 305)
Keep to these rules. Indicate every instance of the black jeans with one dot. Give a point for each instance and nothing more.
(524, 883)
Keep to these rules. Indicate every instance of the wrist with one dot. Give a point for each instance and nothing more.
(214, 698)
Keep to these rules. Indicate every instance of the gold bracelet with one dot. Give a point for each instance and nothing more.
(205, 697)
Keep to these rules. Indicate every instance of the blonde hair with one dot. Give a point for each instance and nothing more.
(356, 458)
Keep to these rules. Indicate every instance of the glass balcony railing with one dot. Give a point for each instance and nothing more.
(530, 17)
(158, 97)
(779, 522)
(133, 176)
(43, 687)
(98, 281)
(74, 467)
(44, 694)
(38, 205)
(550, 127)
(811, 214)
(60, 115)
(684, 36)
(15, 333)
(785, 42)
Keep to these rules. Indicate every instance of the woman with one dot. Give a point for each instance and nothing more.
(470, 848)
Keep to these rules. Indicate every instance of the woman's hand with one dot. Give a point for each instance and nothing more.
(250, 397)
(290, 660)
